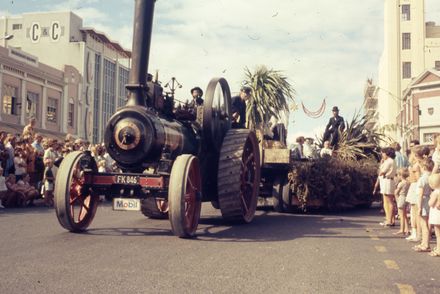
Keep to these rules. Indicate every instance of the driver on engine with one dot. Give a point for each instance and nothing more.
(239, 108)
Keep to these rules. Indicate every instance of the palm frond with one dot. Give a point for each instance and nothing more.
(271, 94)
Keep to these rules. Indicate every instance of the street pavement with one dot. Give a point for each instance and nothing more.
(124, 252)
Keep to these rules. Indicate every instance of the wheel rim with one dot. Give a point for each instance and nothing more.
(192, 198)
(248, 178)
(162, 205)
(82, 203)
(217, 112)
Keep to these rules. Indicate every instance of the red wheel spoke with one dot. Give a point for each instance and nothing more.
(248, 183)
(243, 200)
(249, 159)
(188, 197)
(74, 200)
(190, 182)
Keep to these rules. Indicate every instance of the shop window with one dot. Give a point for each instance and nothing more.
(71, 114)
(10, 100)
(406, 41)
(32, 104)
(406, 12)
(52, 109)
(406, 70)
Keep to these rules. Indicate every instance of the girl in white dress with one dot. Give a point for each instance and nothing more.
(387, 173)
(434, 212)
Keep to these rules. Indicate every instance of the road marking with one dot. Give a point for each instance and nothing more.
(381, 249)
(391, 264)
(374, 237)
(405, 289)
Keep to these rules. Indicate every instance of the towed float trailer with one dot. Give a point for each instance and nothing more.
(276, 163)
(170, 161)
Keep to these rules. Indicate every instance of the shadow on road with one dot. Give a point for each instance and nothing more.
(270, 227)
(266, 227)
(128, 232)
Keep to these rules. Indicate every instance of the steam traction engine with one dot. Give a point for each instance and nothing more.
(170, 161)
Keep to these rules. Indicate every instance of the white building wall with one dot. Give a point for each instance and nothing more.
(57, 40)
(422, 55)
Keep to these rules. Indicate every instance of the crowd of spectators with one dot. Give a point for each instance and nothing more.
(28, 165)
(410, 185)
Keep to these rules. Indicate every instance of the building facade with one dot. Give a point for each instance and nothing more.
(371, 104)
(60, 40)
(31, 89)
(410, 47)
(419, 116)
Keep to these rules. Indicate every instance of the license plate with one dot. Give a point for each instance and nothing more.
(127, 180)
(126, 204)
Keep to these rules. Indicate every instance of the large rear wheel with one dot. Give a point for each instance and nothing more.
(185, 196)
(75, 202)
(239, 175)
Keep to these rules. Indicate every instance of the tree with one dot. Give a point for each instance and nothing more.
(271, 95)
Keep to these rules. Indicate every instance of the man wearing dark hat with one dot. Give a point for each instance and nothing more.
(238, 108)
(335, 124)
(197, 100)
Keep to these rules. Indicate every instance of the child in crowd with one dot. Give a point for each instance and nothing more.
(101, 166)
(19, 163)
(418, 154)
(326, 150)
(401, 192)
(29, 191)
(434, 211)
(436, 155)
(48, 183)
(14, 197)
(424, 192)
(3, 188)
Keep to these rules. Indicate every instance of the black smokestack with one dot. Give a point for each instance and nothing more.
(142, 28)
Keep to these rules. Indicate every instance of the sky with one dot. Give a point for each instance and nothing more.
(327, 49)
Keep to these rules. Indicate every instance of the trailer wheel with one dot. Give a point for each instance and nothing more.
(277, 194)
(75, 203)
(185, 196)
(239, 175)
(154, 208)
(215, 204)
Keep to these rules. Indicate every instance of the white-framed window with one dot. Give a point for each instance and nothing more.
(437, 64)
(406, 12)
(109, 92)
(123, 80)
(406, 70)
(52, 109)
(429, 137)
(32, 104)
(11, 104)
(406, 41)
(71, 113)
(17, 26)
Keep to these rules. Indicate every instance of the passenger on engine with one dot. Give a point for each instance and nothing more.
(239, 108)
(197, 100)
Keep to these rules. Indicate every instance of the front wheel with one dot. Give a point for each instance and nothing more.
(185, 196)
(75, 202)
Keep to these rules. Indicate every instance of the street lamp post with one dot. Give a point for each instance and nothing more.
(6, 38)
